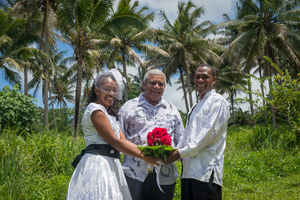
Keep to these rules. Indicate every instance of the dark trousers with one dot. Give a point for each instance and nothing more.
(148, 190)
(192, 189)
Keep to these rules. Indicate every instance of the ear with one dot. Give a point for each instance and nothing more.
(215, 79)
(97, 91)
(144, 85)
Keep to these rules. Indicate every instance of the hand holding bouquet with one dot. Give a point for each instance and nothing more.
(159, 144)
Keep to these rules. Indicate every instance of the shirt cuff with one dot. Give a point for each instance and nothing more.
(184, 152)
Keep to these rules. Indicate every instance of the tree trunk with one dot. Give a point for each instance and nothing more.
(232, 106)
(270, 85)
(25, 81)
(46, 68)
(262, 91)
(251, 104)
(125, 74)
(78, 95)
(189, 85)
(184, 92)
(53, 112)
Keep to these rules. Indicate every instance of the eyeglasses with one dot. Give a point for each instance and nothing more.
(113, 91)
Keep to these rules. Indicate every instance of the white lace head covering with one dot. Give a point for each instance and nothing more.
(116, 76)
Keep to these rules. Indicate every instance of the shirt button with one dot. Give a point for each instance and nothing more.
(112, 151)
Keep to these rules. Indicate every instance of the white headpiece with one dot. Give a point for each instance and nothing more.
(120, 80)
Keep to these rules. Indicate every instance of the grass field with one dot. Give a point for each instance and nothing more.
(260, 163)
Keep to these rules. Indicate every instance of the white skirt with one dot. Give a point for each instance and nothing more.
(98, 178)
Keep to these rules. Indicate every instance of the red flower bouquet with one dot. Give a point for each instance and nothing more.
(159, 143)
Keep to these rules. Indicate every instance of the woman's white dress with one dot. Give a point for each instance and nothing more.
(98, 177)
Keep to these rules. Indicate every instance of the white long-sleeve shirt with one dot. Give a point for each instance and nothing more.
(203, 143)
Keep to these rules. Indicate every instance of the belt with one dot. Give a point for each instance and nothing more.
(97, 149)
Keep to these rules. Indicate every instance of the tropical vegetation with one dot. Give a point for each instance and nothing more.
(105, 36)
(260, 163)
(260, 43)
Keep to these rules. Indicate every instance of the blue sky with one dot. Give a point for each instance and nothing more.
(213, 12)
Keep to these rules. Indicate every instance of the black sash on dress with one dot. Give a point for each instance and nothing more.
(97, 149)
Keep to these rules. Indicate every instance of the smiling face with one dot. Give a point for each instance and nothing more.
(204, 80)
(107, 92)
(154, 88)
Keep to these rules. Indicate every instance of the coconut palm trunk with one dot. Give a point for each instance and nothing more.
(26, 80)
(53, 112)
(78, 94)
(269, 53)
(262, 90)
(232, 105)
(189, 85)
(46, 67)
(184, 91)
(125, 74)
(251, 102)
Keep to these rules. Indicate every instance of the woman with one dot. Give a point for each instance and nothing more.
(99, 174)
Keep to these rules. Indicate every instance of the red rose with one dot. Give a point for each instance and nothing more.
(159, 136)
(166, 140)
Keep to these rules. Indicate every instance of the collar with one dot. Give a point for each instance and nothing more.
(208, 94)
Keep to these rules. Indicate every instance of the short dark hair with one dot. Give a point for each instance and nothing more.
(213, 70)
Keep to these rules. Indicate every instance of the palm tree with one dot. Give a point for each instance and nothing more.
(228, 77)
(236, 75)
(14, 50)
(185, 42)
(41, 13)
(137, 80)
(78, 21)
(31, 61)
(59, 85)
(81, 21)
(266, 29)
(125, 41)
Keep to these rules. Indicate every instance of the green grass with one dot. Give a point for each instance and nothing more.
(259, 164)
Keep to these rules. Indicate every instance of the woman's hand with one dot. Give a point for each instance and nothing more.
(153, 160)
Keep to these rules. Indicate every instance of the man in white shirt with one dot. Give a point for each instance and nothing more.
(138, 117)
(203, 143)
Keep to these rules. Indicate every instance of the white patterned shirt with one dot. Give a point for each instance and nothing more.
(137, 118)
(203, 143)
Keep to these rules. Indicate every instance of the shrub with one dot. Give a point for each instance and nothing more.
(17, 110)
(284, 96)
(266, 137)
(64, 118)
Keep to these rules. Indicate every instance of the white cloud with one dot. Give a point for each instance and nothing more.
(175, 96)
(213, 10)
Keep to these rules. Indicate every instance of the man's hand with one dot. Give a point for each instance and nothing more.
(173, 156)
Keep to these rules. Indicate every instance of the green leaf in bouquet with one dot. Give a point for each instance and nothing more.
(157, 151)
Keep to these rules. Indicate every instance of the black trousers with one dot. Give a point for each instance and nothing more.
(148, 190)
(192, 189)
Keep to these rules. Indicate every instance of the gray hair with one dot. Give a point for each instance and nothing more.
(154, 72)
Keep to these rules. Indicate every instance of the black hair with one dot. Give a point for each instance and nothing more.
(92, 95)
(112, 110)
(213, 70)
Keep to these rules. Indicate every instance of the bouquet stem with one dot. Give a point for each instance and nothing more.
(150, 168)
